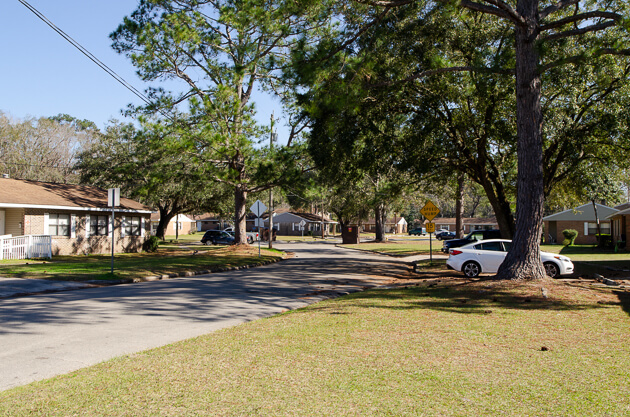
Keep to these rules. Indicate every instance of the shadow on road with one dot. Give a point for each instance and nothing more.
(312, 274)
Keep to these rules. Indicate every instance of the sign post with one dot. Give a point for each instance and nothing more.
(302, 224)
(429, 211)
(258, 208)
(113, 200)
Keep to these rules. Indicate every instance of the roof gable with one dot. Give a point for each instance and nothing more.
(584, 213)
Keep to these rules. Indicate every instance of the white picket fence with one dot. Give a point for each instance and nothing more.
(25, 247)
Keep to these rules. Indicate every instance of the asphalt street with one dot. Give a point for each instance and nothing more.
(50, 334)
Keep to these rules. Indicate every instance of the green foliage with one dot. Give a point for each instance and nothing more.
(220, 52)
(604, 241)
(151, 244)
(569, 236)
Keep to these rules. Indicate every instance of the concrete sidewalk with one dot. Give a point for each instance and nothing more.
(16, 287)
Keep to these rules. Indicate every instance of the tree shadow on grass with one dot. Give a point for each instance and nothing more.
(479, 297)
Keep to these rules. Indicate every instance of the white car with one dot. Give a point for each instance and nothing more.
(485, 256)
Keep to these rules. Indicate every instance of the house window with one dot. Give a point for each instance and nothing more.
(132, 226)
(604, 226)
(59, 224)
(99, 226)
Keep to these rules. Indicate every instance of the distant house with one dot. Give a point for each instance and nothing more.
(470, 223)
(294, 223)
(582, 219)
(620, 223)
(183, 223)
(392, 225)
(210, 221)
(76, 217)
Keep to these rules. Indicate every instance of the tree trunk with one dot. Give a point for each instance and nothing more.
(523, 259)
(379, 213)
(240, 215)
(459, 207)
(165, 218)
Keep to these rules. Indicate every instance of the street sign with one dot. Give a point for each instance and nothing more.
(113, 197)
(258, 208)
(430, 227)
(303, 223)
(430, 211)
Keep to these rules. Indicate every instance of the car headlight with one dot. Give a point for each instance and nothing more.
(563, 258)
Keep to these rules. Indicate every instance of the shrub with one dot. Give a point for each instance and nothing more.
(569, 236)
(604, 241)
(151, 244)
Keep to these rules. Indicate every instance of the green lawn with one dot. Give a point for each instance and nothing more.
(169, 259)
(476, 349)
(400, 248)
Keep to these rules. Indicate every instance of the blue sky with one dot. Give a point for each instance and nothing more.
(41, 74)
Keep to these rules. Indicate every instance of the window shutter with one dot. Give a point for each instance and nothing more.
(110, 224)
(87, 225)
(46, 224)
(73, 225)
(585, 228)
(123, 223)
(142, 226)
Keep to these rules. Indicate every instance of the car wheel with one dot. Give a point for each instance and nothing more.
(551, 269)
(471, 269)
(250, 240)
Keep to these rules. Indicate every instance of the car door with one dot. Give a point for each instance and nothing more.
(490, 255)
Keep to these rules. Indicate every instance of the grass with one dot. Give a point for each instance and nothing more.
(478, 348)
(400, 248)
(169, 259)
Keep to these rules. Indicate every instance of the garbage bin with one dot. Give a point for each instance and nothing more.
(350, 235)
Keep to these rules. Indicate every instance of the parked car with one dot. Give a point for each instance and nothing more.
(472, 237)
(250, 239)
(418, 231)
(445, 235)
(485, 257)
(217, 237)
(251, 236)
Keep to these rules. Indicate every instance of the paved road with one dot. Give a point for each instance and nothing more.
(51, 334)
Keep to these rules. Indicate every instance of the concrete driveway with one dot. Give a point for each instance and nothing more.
(51, 334)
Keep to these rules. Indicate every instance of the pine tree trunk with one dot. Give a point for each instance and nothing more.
(240, 215)
(378, 220)
(523, 259)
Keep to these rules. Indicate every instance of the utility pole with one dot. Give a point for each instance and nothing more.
(271, 190)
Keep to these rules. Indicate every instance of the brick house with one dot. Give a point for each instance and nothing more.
(582, 219)
(620, 224)
(77, 217)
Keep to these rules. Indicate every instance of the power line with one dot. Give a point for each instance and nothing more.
(91, 57)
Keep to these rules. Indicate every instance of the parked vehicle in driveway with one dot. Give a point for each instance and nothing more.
(472, 237)
(251, 236)
(217, 237)
(445, 235)
(418, 231)
(485, 257)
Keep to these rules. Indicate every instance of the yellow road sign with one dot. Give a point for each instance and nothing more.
(429, 211)
(430, 227)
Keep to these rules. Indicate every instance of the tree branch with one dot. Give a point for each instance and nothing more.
(583, 57)
(580, 17)
(555, 7)
(581, 31)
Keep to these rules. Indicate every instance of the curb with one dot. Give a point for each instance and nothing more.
(201, 272)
